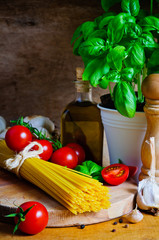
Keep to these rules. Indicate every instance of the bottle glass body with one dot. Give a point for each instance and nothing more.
(81, 123)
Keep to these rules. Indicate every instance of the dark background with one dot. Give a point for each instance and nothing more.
(37, 65)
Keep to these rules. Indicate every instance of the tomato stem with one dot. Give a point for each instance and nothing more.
(55, 142)
(21, 216)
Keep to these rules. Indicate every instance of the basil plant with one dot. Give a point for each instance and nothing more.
(121, 48)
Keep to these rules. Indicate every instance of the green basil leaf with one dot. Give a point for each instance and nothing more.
(103, 82)
(92, 166)
(154, 59)
(124, 99)
(82, 169)
(115, 57)
(131, 6)
(130, 19)
(106, 4)
(151, 22)
(98, 19)
(92, 47)
(127, 43)
(98, 176)
(133, 30)
(105, 21)
(111, 76)
(95, 70)
(88, 28)
(136, 57)
(116, 28)
(76, 45)
(92, 169)
(87, 60)
(127, 74)
(147, 40)
(98, 34)
(77, 33)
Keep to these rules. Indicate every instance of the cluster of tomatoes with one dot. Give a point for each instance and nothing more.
(32, 217)
(18, 137)
(71, 155)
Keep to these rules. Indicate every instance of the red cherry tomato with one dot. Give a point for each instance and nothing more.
(79, 151)
(35, 220)
(18, 137)
(132, 171)
(65, 156)
(115, 174)
(47, 149)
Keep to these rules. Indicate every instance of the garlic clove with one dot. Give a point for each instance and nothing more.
(140, 200)
(134, 216)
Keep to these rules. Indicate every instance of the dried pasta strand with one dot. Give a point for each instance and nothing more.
(76, 191)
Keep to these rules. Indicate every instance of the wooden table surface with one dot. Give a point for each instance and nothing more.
(147, 229)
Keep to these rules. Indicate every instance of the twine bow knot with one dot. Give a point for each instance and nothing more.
(15, 163)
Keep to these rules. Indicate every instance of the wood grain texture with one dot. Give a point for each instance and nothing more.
(150, 89)
(147, 229)
(37, 65)
(16, 191)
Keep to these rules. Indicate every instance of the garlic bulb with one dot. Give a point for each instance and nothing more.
(41, 122)
(134, 216)
(148, 189)
(148, 194)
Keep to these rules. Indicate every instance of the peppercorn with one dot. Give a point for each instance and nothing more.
(82, 226)
(126, 226)
(120, 220)
(113, 230)
(115, 223)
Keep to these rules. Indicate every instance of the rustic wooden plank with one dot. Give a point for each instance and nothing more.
(36, 57)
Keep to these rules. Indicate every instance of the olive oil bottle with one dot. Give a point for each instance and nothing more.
(81, 121)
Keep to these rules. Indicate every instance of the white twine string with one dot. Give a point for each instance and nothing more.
(16, 162)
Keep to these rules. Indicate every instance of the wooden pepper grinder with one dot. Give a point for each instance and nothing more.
(150, 89)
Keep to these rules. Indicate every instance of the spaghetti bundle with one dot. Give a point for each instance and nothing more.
(76, 191)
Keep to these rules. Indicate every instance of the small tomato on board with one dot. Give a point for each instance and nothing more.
(115, 174)
(132, 169)
(65, 156)
(31, 217)
(79, 151)
(47, 149)
(18, 137)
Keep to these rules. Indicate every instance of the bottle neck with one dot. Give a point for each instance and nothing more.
(83, 91)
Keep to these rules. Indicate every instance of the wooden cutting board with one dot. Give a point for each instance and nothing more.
(16, 191)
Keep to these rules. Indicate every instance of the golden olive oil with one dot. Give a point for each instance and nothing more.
(81, 123)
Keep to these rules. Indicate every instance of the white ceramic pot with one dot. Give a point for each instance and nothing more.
(124, 136)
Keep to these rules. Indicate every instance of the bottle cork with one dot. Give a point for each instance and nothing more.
(81, 86)
(79, 72)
